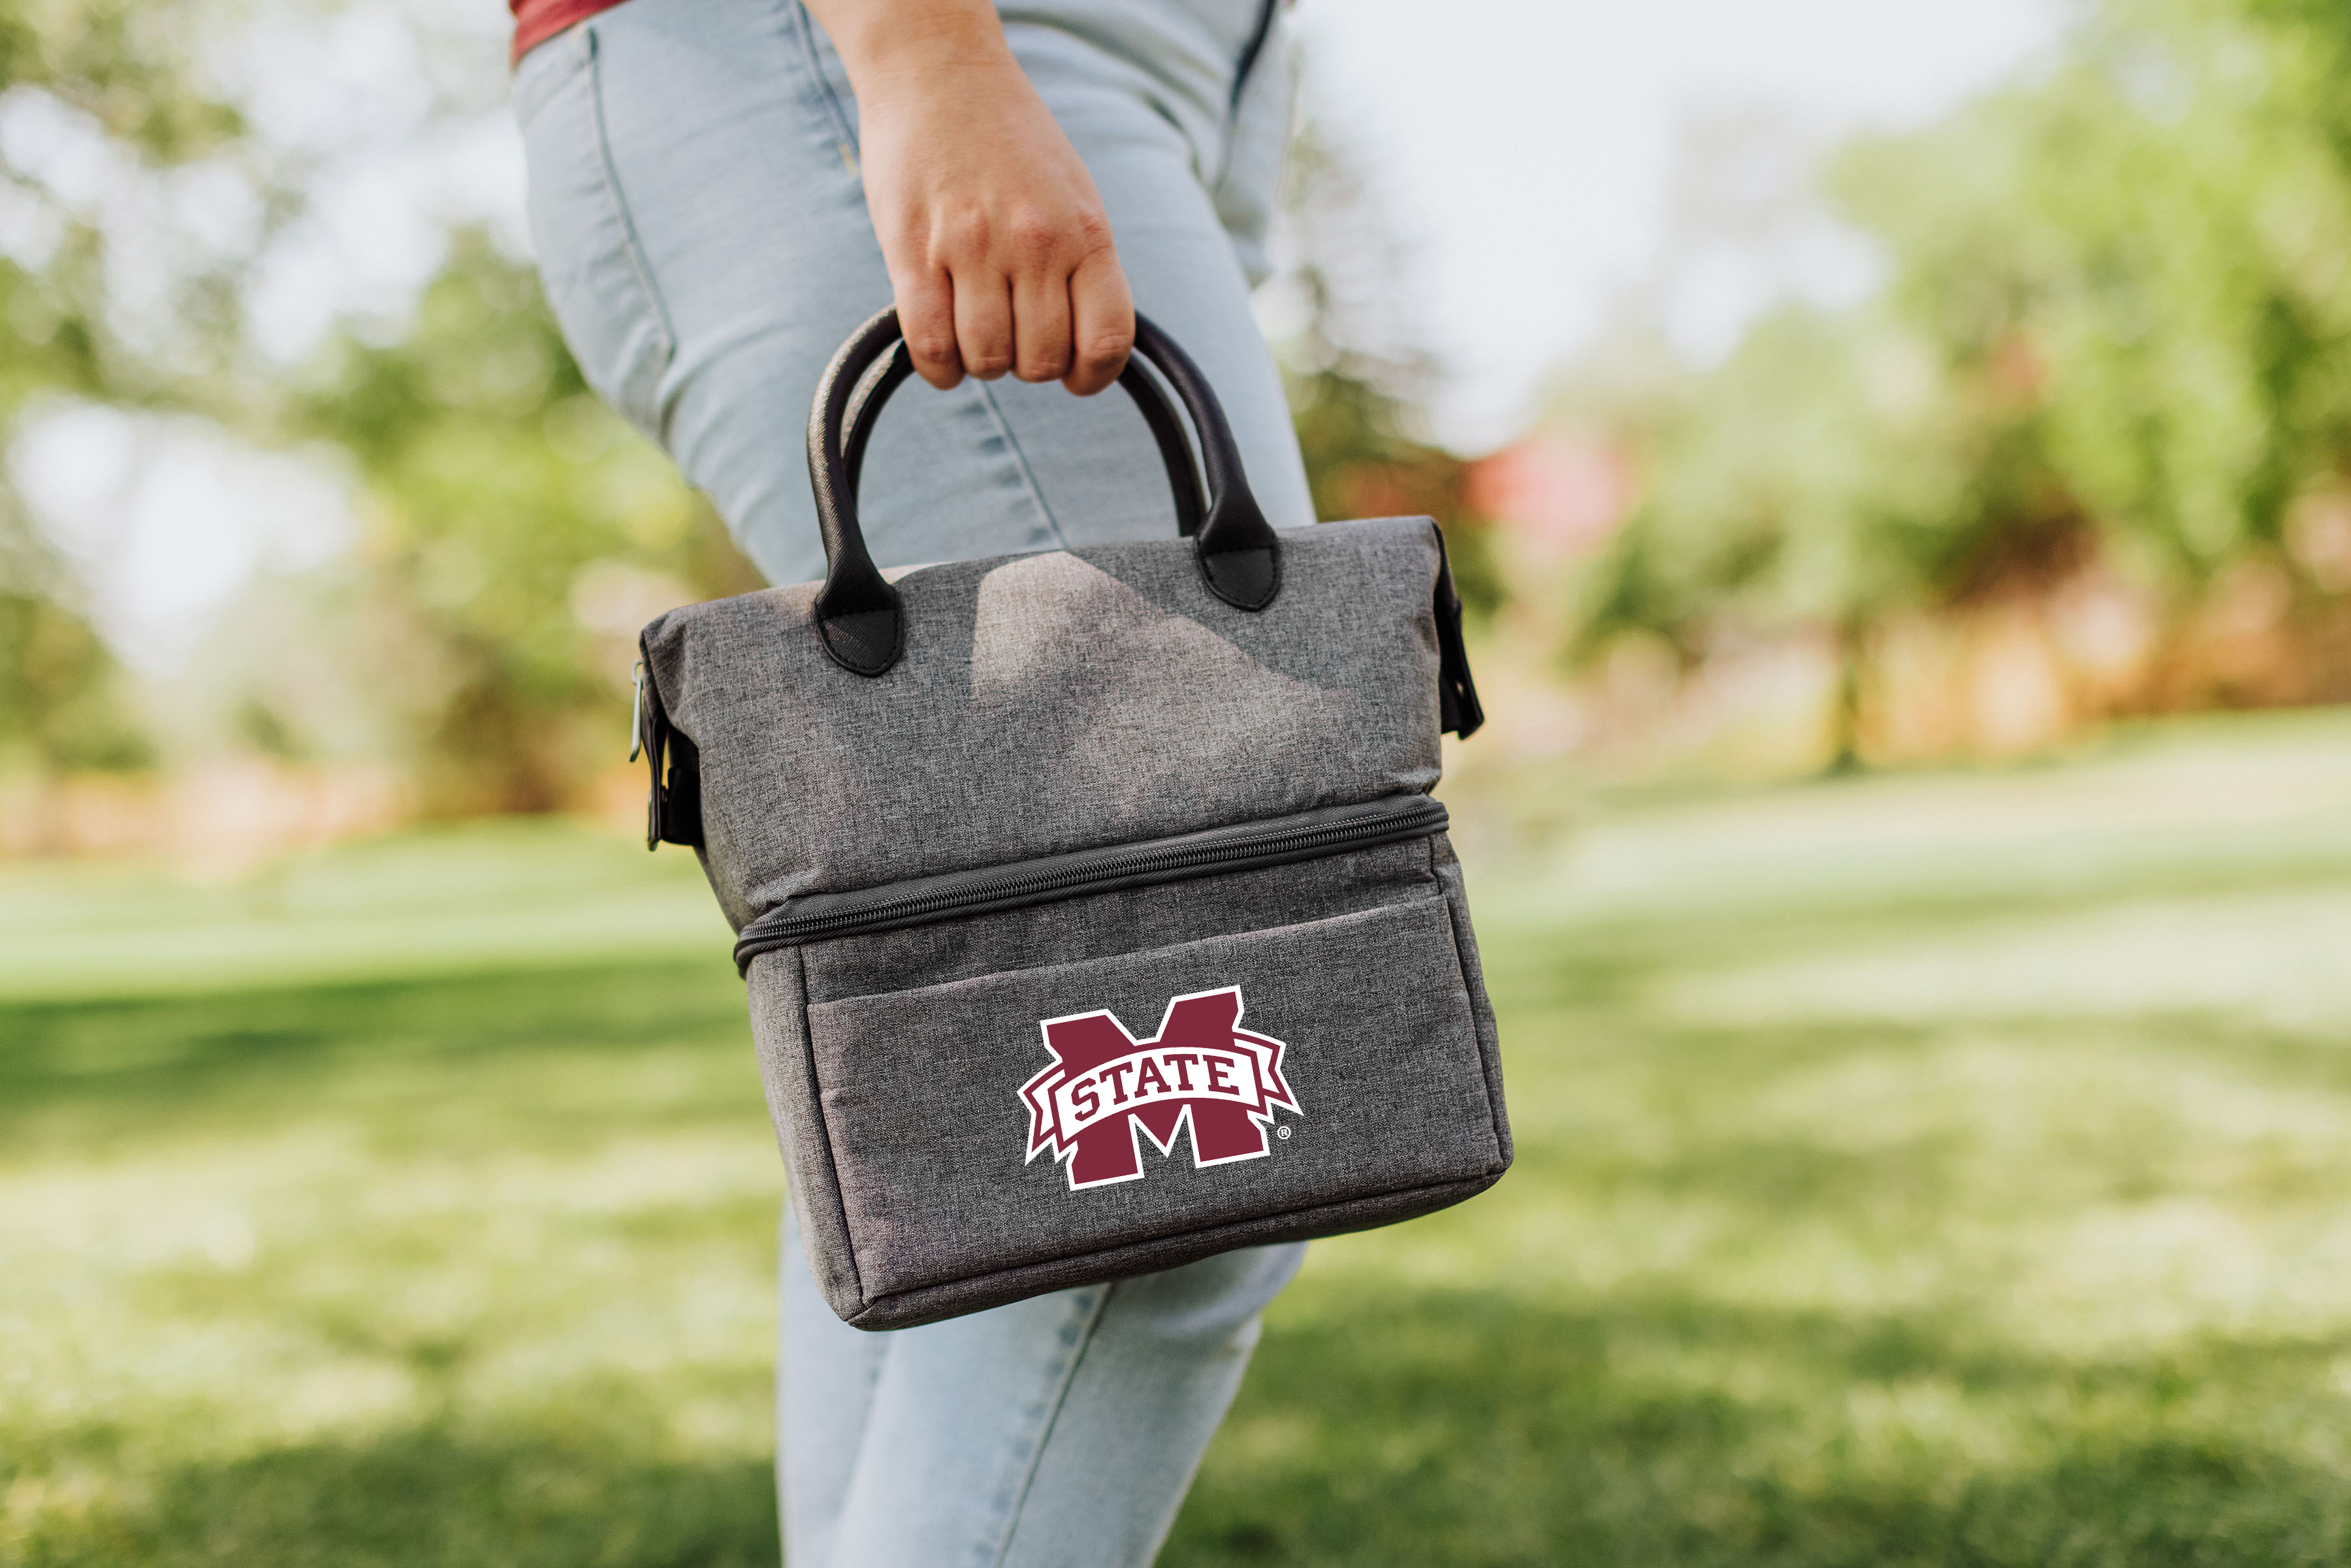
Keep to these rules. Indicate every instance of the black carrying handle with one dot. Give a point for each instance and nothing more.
(1174, 447)
(858, 614)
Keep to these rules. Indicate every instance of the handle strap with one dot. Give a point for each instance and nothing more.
(897, 364)
(858, 613)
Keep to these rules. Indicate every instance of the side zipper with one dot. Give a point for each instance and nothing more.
(1283, 841)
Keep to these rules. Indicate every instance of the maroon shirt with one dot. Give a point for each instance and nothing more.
(536, 21)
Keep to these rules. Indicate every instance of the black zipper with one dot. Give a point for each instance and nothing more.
(1308, 835)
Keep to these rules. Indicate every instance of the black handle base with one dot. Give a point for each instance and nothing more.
(1243, 579)
(864, 641)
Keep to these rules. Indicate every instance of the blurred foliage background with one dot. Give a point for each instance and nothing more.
(2093, 424)
(2085, 452)
(1928, 1164)
(2084, 455)
(471, 639)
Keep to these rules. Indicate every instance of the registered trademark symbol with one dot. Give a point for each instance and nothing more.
(1282, 1133)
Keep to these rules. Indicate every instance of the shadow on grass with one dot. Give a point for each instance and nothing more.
(428, 1499)
(1436, 1427)
(1460, 1428)
(251, 1047)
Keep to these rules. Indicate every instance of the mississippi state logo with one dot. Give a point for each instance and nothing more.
(1104, 1085)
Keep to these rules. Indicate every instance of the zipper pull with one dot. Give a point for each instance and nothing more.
(637, 711)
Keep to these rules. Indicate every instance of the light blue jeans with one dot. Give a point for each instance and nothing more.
(702, 231)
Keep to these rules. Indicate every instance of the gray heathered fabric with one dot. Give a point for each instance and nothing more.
(1473, 978)
(1053, 701)
(1064, 701)
(929, 1135)
(895, 1061)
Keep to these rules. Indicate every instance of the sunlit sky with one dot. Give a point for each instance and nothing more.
(1532, 157)
(1528, 148)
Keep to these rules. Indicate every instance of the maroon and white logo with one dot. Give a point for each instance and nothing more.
(1201, 1067)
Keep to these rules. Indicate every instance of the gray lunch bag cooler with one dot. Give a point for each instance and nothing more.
(1094, 910)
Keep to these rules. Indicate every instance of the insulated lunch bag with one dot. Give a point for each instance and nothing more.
(1094, 910)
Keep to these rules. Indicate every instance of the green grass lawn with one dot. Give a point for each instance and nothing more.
(1937, 1169)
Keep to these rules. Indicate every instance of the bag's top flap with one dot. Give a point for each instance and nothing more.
(1052, 702)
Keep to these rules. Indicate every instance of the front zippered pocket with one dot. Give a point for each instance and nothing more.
(1307, 835)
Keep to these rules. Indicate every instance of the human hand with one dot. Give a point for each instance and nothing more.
(998, 250)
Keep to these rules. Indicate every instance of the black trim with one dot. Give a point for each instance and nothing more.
(674, 803)
(1458, 709)
(1248, 846)
(1239, 556)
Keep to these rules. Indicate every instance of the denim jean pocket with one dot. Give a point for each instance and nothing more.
(592, 267)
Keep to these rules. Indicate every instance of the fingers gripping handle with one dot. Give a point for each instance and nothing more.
(859, 615)
(1174, 447)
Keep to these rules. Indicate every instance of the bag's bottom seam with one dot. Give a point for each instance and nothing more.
(1484, 1178)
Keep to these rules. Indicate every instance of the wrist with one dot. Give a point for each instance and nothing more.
(890, 46)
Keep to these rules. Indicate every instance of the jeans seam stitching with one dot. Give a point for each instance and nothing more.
(630, 248)
(1247, 72)
(1053, 1418)
(1020, 462)
(806, 28)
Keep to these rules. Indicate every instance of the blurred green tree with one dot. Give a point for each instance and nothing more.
(2115, 325)
(63, 706)
(122, 74)
(515, 534)
(2162, 229)
(1830, 473)
(511, 529)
